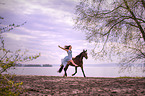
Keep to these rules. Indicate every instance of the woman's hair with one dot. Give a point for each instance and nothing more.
(67, 47)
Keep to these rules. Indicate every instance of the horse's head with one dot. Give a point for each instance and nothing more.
(84, 54)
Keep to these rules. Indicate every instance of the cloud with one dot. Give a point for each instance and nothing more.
(19, 37)
(49, 24)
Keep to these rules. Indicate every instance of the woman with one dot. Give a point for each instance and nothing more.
(69, 57)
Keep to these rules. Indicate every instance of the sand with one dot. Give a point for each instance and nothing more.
(80, 86)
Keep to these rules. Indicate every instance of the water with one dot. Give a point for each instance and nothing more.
(91, 71)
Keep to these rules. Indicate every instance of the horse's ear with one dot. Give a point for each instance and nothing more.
(84, 50)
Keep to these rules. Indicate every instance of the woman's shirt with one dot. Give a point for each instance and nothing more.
(69, 54)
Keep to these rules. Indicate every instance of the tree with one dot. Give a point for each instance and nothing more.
(8, 59)
(116, 26)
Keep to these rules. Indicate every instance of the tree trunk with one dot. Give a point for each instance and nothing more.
(143, 3)
(135, 19)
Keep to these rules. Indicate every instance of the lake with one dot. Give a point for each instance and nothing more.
(90, 71)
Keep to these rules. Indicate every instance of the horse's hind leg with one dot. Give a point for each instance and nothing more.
(83, 71)
(65, 69)
(60, 69)
(75, 71)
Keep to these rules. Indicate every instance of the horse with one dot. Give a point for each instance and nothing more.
(77, 60)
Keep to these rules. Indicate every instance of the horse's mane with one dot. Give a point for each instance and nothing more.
(79, 55)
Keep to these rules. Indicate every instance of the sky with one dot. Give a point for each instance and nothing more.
(49, 23)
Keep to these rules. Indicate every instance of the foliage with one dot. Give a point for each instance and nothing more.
(117, 27)
(8, 87)
(8, 59)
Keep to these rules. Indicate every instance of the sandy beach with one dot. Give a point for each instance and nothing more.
(80, 86)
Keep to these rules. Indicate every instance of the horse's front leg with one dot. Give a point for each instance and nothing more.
(75, 71)
(83, 71)
(65, 69)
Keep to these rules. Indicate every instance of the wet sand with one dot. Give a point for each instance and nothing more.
(80, 86)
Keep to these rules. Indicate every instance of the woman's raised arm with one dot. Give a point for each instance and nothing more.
(63, 48)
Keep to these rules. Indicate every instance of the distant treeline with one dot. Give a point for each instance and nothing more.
(33, 65)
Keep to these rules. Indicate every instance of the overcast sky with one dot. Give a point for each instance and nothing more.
(49, 24)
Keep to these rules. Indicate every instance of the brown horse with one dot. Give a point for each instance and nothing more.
(77, 60)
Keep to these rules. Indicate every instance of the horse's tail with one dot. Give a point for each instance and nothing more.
(60, 69)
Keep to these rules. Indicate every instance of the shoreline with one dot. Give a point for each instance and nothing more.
(121, 77)
(57, 85)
